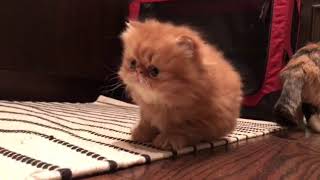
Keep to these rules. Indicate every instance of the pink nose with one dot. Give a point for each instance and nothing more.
(141, 71)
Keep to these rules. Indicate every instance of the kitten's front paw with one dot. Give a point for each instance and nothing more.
(146, 134)
(137, 135)
(169, 142)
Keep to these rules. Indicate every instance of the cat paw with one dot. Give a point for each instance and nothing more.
(143, 134)
(169, 142)
(284, 115)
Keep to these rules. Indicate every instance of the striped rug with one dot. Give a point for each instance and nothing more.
(40, 140)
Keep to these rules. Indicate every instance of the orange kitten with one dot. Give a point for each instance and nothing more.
(187, 91)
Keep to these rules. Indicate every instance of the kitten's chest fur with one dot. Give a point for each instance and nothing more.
(162, 117)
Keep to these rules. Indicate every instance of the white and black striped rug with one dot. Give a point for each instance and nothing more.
(41, 140)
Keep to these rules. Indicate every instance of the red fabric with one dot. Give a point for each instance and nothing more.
(299, 21)
(134, 8)
(280, 42)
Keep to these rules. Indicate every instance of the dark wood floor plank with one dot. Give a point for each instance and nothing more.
(285, 155)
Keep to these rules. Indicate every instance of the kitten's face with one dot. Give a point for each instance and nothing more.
(158, 61)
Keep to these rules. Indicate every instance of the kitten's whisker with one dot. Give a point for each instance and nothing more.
(114, 74)
(106, 67)
(116, 87)
(115, 84)
(114, 78)
(109, 85)
(111, 77)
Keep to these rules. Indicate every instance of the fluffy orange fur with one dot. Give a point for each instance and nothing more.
(185, 88)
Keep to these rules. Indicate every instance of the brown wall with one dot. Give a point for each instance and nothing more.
(58, 49)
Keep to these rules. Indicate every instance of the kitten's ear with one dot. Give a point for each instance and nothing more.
(131, 24)
(187, 44)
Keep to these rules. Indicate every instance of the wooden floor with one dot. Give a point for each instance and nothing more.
(285, 155)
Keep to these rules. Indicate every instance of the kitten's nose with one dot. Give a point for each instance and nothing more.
(141, 71)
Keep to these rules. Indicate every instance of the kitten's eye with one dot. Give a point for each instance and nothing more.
(133, 64)
(153, 71)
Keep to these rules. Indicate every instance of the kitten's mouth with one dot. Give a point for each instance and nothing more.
(141, 80)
